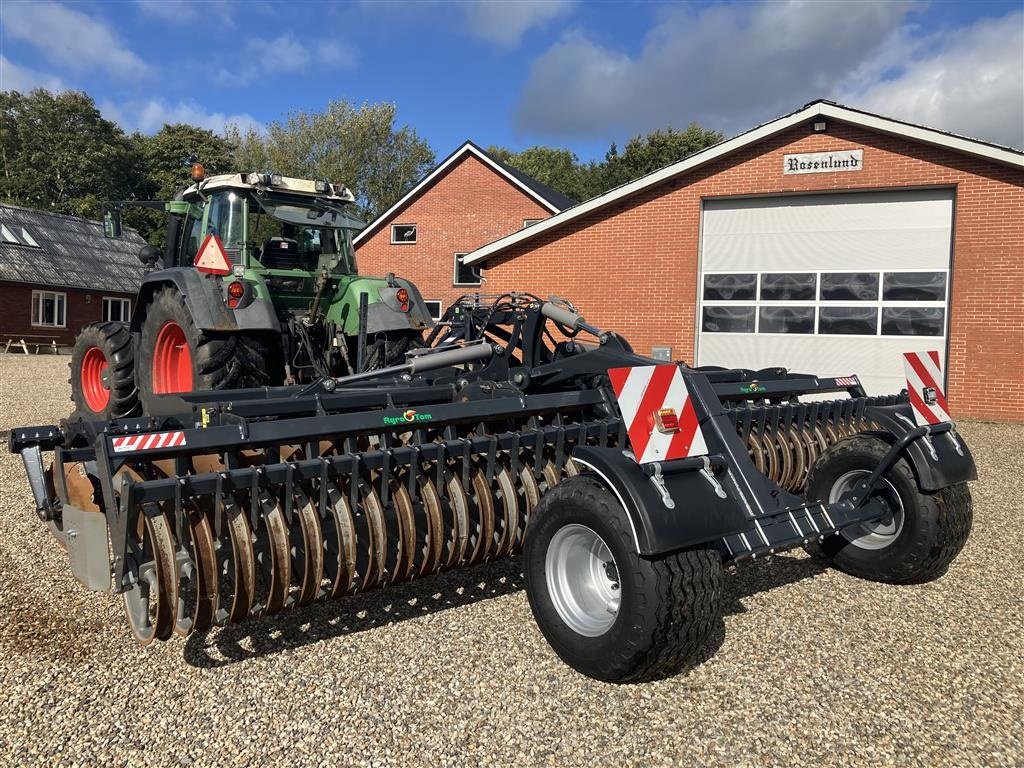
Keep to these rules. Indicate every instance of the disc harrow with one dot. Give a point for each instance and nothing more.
(222, 506)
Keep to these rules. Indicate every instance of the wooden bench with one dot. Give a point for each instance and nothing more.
(39, 342)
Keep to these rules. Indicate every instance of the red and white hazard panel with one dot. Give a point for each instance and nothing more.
(658, 412)
(149, 442)
(212, 257)
(924, 385)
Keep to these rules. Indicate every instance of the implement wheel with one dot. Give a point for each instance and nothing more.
(608, 612)
(103, 372)
(175, 356)
(916, 543)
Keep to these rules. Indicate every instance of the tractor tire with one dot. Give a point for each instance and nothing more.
(175, 356)
(103, 373)
(608, 612)
(923, 536)
(392, 349)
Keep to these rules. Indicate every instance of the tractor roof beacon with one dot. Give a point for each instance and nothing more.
(625, 483)
(257, 286)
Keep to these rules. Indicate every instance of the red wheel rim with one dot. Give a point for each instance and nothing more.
(172, 361)
(94, 365)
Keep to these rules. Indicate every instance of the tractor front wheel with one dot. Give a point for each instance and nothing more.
(175, 356)
(103, 372)
(607, 611)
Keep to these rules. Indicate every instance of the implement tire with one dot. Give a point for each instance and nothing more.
(175, 356)
(923, 536)
(606, 611)
(103, 372)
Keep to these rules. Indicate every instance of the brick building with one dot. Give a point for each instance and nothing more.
(829, 240)
(58, 273)
(469, 199)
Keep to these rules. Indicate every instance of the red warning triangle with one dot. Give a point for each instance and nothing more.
(212, 257)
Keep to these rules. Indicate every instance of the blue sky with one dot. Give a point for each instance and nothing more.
(558, 72)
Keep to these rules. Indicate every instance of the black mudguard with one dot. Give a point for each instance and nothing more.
(938, 461)
(700, 514)
(205, 302)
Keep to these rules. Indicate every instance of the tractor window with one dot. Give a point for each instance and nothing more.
(226, 220)
(293, 235)
(191, 239)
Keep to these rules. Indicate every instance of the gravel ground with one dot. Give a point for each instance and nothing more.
(814, 668)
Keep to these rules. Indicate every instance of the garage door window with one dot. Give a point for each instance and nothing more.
(913, 321)
(914, 286)
(786, 320)
(730, 287)
(902, 303)
(788, 286)
(849, 286)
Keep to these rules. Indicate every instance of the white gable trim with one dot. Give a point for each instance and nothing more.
(466, 149)
(1013, 158)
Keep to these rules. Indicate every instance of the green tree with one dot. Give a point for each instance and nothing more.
(167, 157)
(646, 154)
(360, 147)
(58, 153)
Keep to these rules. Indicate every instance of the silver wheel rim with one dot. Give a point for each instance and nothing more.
(881, 533)
(582, 580)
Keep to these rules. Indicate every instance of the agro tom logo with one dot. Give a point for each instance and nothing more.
(752, 388)
(407, 417)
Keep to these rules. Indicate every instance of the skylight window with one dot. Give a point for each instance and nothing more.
(7, 235)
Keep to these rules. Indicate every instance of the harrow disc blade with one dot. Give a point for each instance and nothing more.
(339, 543)
(151, 602)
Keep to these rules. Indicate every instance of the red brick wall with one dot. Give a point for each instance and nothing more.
(633, 267)
(16, 312)
(470, 206)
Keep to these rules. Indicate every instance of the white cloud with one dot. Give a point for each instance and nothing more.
(23, 79)
(177, 11)
(72, 39)
(505, 23)
(730, 67)
(727, 66)
(283, 55)
(969, 81)
(151, 115)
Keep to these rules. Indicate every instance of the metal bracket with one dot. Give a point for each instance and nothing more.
(710, 477)
(659, 483)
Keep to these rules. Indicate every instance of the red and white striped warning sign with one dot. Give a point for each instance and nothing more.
(212, 257)
(924, 385)
(847, 381)
(658, 412)
(149, 442)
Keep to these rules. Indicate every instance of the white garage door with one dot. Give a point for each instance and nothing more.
(830, 284)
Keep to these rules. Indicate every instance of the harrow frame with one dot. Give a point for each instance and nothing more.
(506, 388)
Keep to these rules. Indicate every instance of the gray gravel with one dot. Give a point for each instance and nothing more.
(815, 668)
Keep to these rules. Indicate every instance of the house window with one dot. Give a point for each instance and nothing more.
(48, 309)
(434, 308)
(403, 234)
(465, 274)
(531, 222)
(7, 236)
(116, 310)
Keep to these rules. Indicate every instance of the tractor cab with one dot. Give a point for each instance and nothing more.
(268, 222)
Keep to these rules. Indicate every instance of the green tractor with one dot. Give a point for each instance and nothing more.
(257, 287)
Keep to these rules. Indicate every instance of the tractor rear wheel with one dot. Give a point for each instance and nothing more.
(608, 612)
(103, 372)
(916, 543)
(175, 356)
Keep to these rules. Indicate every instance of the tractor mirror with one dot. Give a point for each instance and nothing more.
(149, 255)
(112, 224)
